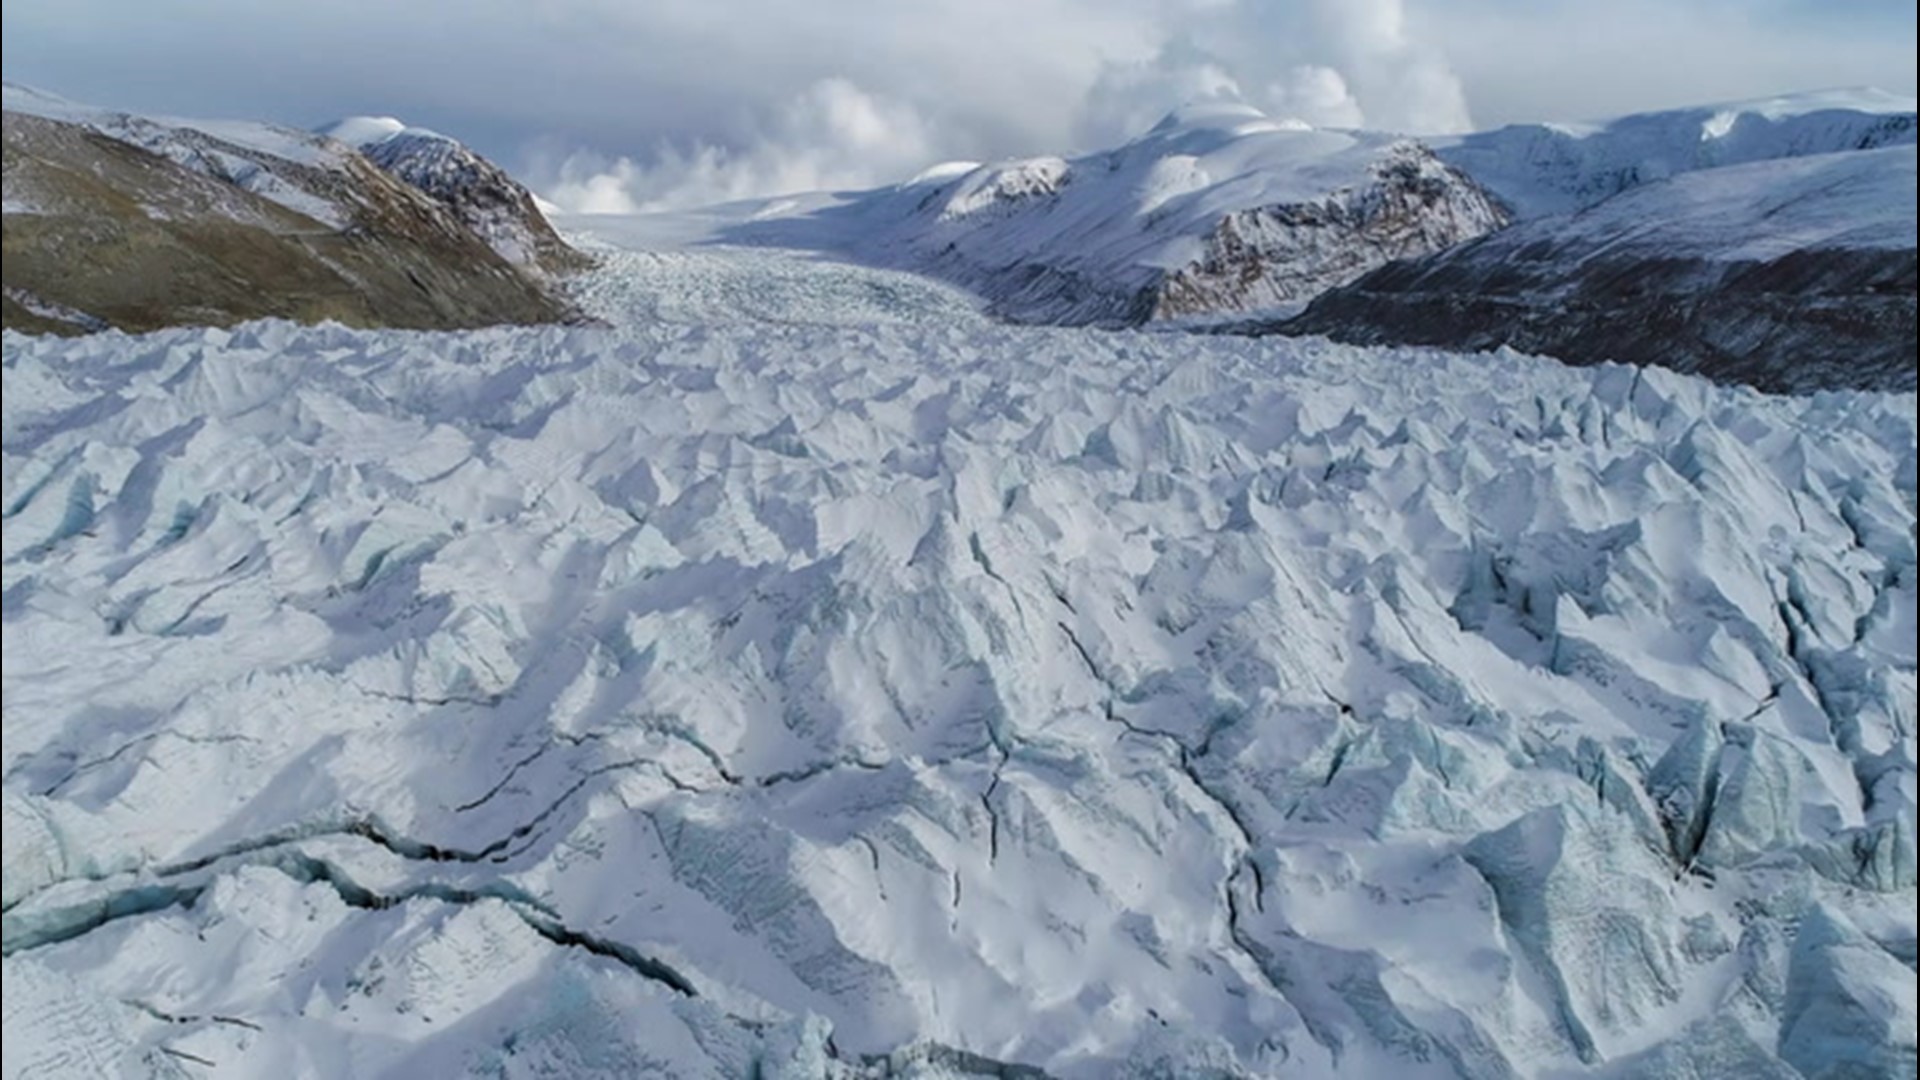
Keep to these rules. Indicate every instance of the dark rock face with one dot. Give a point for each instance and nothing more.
(1260, 257)
(100, 232)
(1790, 275)
(1289, 253)
(1812, 319)
(1195, 221)
(481, 195)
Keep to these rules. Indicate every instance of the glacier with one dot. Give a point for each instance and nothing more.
(1224, 218)
(1218, 210)
(804, 675)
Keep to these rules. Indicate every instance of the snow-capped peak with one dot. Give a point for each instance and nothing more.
(357, 130)
(1207, 114)
(480, 193)
(945, 170)
(364, 131)
(1206, 126)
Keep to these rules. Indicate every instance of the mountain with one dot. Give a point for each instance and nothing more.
(797, 674)
(494, 205)
(114, 219)
(1687, 238)
(1791, 275)
(1557, 168)
(1219, 209)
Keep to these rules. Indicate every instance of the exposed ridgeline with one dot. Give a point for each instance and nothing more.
(1790, 276)
(494, 205)
(1217, 210)
(1771, 244)
(115, 220)
(1704, 239)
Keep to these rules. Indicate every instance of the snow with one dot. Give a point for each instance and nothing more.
(290, 144)
(255, 156)
(945, 170)
(1555, 168)
(1096, 238)
(362, 132)
(325, 176)
(803, 674)
(359, 131)
(1221, 211)
(494, 206)
(1757, 211)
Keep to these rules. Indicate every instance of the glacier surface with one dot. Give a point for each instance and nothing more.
(805, 676)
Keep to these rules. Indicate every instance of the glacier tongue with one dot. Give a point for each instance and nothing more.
(864, 687)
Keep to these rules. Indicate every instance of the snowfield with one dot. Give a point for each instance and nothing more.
(804, 676)
(1558, 168)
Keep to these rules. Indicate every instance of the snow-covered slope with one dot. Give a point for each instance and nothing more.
(304, 172)
(1793, 274)
(481, 194)
(1555, 168)
(860, 685)
(1219, 209)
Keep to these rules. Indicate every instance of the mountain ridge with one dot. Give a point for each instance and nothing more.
(120, 219)
(1218, 208)
(1225, 220)
(481, 194)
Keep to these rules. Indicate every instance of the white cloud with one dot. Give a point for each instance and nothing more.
(1574, 59)
(613, 103)
(1127, 99)
(832, 135)
(1339, 63)
(1404, 81)
(1335, 63)
(1319, 95)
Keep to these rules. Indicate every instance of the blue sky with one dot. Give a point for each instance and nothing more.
(659, 100)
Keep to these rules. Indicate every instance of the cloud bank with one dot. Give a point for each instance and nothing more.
(832, 135)
(1343, 63)
(614, 105)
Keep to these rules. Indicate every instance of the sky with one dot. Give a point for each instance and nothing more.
(618, 105)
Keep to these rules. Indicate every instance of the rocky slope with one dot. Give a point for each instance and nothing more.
(1789, 275)
(494, 205)
(1218, 210)
(120, 220)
